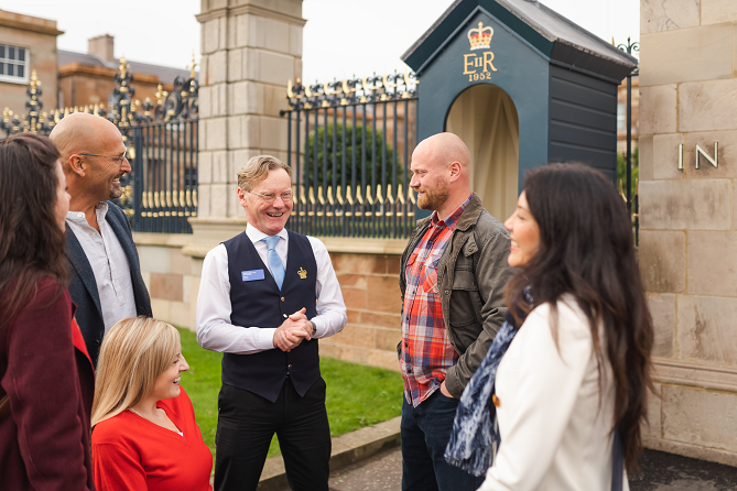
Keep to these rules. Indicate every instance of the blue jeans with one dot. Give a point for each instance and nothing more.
(425, 432)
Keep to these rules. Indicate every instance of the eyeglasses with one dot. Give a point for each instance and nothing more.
(286, 196)
(120, 158)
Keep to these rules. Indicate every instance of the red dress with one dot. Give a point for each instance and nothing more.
(132, 453)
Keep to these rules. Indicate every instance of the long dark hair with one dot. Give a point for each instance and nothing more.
(586, 250)
(31, 242)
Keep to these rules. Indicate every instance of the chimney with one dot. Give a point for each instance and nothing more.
(102, 46)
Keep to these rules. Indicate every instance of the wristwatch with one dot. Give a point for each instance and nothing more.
(314, 328)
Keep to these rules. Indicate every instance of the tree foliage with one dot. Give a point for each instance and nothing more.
(373, 148)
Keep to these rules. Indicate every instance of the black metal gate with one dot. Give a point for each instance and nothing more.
(631, 199)
(164, 155)
(349, 145)
(165, 176)
(160, 193)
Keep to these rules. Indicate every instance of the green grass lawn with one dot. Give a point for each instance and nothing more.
(357, 395)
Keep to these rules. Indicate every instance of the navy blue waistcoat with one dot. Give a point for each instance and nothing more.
(258, 302)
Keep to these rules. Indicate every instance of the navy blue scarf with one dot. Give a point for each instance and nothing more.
(470, 444)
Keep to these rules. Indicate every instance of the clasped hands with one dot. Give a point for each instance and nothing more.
(293, 330)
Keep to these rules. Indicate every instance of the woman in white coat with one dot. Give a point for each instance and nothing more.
(577, 371)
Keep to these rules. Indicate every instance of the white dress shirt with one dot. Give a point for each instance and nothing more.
(109, 264)
(214, 330)
(554, 434)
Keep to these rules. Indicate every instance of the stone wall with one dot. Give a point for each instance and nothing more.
(367, 271)
(250, 50)
(370, 286)
(172, 278)
(688, 238)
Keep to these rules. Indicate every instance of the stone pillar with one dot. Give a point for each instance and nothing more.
(250, 49)
(688, 238)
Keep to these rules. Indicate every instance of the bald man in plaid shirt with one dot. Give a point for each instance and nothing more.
(452, 277)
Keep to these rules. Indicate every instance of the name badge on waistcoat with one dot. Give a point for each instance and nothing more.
(253, 275)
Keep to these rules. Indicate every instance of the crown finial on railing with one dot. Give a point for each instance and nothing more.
(192, 67)
(35, 82)
(182, 102)
(124, 111)
(350, 91)
(33, 121)
(123, 67)
(160, 94)
(121, 110)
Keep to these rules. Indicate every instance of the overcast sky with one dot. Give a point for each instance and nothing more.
(341, 37)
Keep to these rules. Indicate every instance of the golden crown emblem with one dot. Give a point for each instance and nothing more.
(480, 38)
(302, 273)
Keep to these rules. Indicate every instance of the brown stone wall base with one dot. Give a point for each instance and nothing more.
(363, 356)
(693, 451)
(172, 278)
(370, 286)
(696, 374)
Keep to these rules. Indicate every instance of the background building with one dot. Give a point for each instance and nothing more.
(67, 79)
(87, 78)
(27, 43)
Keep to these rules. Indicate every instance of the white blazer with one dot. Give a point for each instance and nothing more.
(555, 436)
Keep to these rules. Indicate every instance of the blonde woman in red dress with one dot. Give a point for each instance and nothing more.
(144, 433)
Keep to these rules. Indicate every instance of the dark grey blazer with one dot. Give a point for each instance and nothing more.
(83, 287)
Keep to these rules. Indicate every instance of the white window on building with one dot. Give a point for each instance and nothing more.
(14, 64)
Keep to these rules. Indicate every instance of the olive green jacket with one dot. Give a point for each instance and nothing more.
(472, 275)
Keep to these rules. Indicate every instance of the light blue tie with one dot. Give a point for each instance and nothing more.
(275, 264)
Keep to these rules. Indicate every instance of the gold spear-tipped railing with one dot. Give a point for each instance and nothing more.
(346, 206)
(349, 146)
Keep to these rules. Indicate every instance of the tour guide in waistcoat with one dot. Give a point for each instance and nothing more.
(266, 296)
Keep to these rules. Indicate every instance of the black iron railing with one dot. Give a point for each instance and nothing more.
(160, 193)
(630, 198)
(165, 176)
(349, 146)
(165, 163)
(34, 120)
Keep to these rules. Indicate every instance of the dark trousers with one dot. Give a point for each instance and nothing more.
(425, 431)
(246, 424)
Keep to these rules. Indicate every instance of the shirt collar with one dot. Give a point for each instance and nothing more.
(76, 216)
(79, 217)
(450, 220)
(256, 235)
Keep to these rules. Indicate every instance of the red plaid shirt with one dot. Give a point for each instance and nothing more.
(426, 349)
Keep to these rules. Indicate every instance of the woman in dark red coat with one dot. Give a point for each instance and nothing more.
(46, 378)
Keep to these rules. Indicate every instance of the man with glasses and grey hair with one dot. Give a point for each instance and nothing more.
(106, 282)
(266, 297)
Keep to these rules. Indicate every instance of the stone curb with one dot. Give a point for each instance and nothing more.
(347, 449)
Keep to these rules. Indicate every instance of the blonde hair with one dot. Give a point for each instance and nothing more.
(257, 169)
(134, 353)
